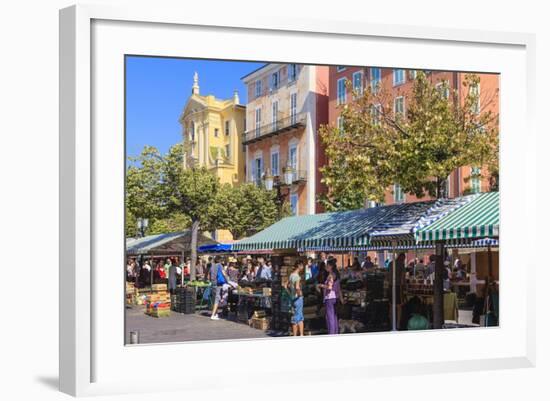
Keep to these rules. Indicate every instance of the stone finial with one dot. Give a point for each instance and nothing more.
(236, 97)
(195, 88)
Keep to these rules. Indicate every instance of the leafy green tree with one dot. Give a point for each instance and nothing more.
(130, 224)
(243, 210)
(171, 197)
(176, 222)
(190, 191)
(144, 194)
(377, 146)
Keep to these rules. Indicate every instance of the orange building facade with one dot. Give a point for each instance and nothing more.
(398, 83)
(287, 103)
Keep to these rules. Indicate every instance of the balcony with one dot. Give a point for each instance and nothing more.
(283, 125)
(288, 178)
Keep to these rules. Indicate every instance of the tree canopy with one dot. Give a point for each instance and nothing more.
(244, 209)
(416, 143)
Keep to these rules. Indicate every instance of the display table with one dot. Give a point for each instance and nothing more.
(247, 303)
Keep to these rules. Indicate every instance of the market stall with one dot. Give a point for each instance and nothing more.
(157, 246)
(391, 229)
(292, 237)
(476, 224)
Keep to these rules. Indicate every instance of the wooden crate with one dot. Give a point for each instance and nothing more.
(261, 323)
(259, 314)
(160, 287)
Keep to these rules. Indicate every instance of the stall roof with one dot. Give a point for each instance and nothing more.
(364, 229)
(479, 218)
(164, 244)
(399, 228)
(337, 229)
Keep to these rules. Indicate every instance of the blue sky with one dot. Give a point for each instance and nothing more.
(158, 88)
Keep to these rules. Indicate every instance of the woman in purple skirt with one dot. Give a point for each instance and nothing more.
(332, 293)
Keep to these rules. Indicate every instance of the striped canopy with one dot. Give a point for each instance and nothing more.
(400, 227)
(164, 244)
(479, 218)
(338, 229)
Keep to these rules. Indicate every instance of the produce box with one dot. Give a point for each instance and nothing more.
(261, 323)
(245, 290)
(160, 313)
(160, 287)
(259, 313)
(158, 297)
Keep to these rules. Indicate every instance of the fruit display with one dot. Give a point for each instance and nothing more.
(197, 283)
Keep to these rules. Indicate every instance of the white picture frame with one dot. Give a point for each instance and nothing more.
(93, 357)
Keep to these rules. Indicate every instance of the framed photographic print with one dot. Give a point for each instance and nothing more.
(298, 184)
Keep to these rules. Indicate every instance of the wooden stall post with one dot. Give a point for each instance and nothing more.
(490, 262)
(438, 286)
(394, 290)
(473, 272)
(182, 268)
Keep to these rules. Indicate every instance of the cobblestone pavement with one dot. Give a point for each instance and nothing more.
(180, 327)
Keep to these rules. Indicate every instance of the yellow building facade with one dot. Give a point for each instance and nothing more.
(212, 131)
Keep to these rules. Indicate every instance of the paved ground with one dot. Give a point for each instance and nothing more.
(180, 327)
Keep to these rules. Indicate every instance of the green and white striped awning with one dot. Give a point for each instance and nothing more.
(337, 230)
(479, 218)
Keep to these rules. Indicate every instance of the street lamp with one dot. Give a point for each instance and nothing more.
(288, 174)
(275, 183)
(268, 181)
(142, 224)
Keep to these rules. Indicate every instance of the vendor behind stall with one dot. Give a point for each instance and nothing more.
(264, 271)
(367, 264)
(233, 272)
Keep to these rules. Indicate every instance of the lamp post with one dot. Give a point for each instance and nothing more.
(268, 181)
(142, 224)
(288, 174)
(272, 183)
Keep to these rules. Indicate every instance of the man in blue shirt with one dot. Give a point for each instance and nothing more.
(215, 272)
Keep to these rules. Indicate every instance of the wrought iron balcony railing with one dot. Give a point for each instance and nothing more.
(293, 177)
(291, 122)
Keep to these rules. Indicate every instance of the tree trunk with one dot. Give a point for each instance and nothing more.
(438, 317)
(440, 188)
(194, 239)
